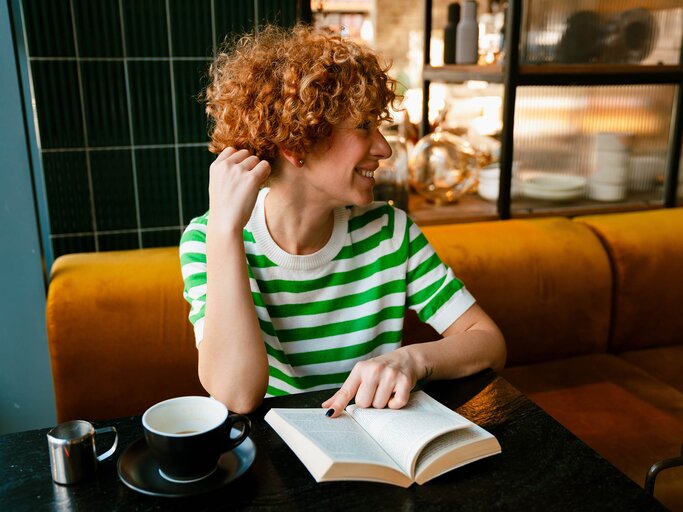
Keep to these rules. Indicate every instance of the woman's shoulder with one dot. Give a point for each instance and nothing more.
(196, 229)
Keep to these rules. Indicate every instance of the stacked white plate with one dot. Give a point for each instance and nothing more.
(610, 176)
(551, 187)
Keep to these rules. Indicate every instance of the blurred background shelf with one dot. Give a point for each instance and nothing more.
(598, 74)
(571, 72)
(461, 73)
(557, 74)
(472, 208)
(611, 7)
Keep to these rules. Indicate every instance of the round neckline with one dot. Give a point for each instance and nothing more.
(284, 259)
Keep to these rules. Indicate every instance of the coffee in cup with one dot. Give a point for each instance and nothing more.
(188, 434)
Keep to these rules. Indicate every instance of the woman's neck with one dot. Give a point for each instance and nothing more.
(296, 223)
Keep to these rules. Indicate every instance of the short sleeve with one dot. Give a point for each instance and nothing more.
(433, 291)
(193, 267)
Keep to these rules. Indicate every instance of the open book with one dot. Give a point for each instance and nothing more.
(415, 444)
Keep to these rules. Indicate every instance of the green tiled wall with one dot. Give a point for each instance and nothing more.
(121, 133)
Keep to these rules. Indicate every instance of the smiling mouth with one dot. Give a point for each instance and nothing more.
(366, 173)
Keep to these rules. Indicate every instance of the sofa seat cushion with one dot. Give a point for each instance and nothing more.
(534, 277)
(645, 251)
(118, 333)
(664, 363)
(629, 417)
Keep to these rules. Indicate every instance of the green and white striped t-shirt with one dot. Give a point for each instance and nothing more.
(321, 313)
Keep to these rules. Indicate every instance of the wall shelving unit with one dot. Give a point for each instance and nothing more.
(515, 74)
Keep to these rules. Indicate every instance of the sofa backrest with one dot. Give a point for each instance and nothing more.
(646, 254)
(546, 282)
(120, 340)
(118, 333)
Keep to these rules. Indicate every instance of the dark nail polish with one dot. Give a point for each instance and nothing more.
(329, 412)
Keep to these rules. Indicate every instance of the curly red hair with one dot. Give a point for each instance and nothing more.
(288, 88)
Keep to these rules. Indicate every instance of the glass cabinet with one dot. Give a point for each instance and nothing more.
(591, 109)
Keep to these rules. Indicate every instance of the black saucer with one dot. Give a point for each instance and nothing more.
(139, 471)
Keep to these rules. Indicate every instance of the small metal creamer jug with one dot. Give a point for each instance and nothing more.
(73, 457)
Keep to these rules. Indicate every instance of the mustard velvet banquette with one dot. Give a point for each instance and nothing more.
(591, 309)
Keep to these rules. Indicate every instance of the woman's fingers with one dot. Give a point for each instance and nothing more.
(385, 389)
(225, 154)
(250, 162)
(400, 395)
(244, 160)
(240, 155)
(338, 402)
(365, 396)
(261, 171)
(234, 182)
(374, 383)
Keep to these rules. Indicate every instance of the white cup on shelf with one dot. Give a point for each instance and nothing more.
(489, 182)
(601, 191)
(611, 166)
(613, 175)
(610, 141)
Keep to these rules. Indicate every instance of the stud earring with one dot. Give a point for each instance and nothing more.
(301, 162)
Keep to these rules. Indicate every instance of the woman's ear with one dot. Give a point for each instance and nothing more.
(293, 158)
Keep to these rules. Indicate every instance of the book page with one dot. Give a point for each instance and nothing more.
(402, 433)
(450, 442)
(341, 438)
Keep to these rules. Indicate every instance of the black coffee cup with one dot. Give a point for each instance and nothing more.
(188, 434)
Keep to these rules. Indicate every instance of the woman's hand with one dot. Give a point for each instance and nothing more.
(472, 343)
(234, 181)
(383, 381)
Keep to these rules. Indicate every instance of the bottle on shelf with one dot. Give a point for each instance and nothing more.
(467, 35)
(500, 19)
(449, 33)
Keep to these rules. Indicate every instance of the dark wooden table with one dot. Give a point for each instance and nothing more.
(542, 467)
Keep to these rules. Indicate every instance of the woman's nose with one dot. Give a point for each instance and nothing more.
(381, 147)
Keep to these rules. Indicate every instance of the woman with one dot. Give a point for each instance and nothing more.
(303, 285)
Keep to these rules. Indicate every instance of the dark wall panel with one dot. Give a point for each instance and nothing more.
(123, 135)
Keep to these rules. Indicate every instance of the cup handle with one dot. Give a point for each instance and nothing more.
(111, 450)
(238, 419)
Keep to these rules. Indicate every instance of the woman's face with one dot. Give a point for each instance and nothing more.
(342, 167)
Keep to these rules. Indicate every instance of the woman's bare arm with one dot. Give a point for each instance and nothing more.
(233, 366)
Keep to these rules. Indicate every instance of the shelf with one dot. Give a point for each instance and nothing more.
(598, 74)
(470, 208)
(345, 7)
(524, 207)
(558, 74)
(515, 72)
(622, 5)
(461, 73)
